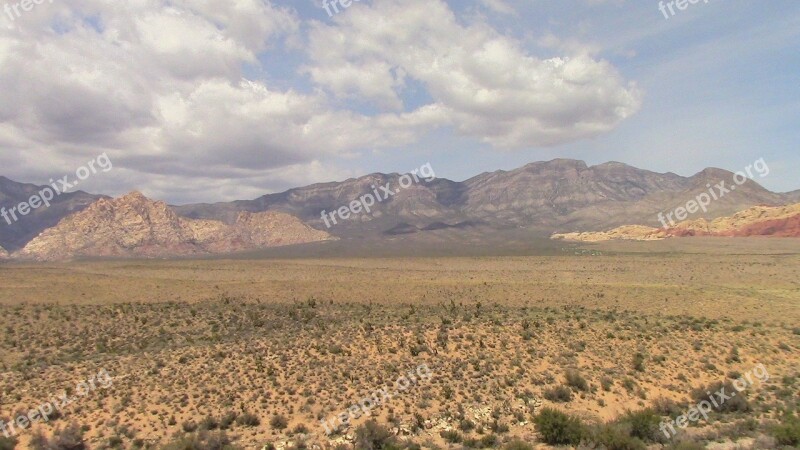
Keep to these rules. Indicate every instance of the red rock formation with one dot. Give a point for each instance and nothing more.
(781, 221)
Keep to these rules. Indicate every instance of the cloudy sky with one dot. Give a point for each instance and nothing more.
(214, 100)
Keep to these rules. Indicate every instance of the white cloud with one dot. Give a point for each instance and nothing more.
(490, 88)
(164, 88)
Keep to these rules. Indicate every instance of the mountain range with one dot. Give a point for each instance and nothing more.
(543, 197)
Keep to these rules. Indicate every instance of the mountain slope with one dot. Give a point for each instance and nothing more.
(15, 235)
(546, 195)
(136, 226)
(540, 198)
(782, 221)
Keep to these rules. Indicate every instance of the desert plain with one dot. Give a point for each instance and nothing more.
(256, 352)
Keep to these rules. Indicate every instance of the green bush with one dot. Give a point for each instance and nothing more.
(738, 403)
(615, 437)
(558, 428)
(643, 425)
(788, 432)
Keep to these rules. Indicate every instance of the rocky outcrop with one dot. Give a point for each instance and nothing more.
(626, 232)
(3, 253)
(782, 221)
(134, 226)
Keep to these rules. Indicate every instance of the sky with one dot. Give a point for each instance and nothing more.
(205, 101)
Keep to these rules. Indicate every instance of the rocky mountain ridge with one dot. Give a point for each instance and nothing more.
(135, 226)
(546, 195)
(539, 198)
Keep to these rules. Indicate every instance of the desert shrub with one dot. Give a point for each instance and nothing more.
(7, 443)
(788, 432)
(488, 441)
(607, 383)
(69, 438)
(451, 436)
(227, 420)
(638, 362)
(667, 407)
(189, 426)
(574, 379)
(115, 442)
(559, 394)
(737, 403)
(248, 420)
(279, 422)
(616, 437)
(643, 425)
(558, 428)
(371, 436)
(209, 423)
(629, 384)
(498, 427)
(516, 444)
(203, 440)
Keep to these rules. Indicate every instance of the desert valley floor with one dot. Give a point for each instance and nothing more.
(264, 349)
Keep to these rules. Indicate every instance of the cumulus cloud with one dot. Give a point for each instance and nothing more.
(490, 88)
(173, 90)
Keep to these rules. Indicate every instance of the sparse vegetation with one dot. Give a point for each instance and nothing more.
(239, 363)
(558, 428)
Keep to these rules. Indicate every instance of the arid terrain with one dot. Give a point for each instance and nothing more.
(619, 335)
